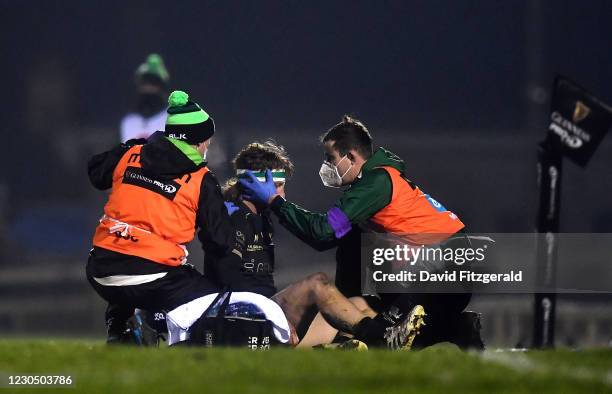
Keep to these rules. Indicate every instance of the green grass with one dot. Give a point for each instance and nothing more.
(441, 369)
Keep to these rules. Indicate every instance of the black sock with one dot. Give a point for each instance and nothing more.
(371, 331)
(341, 338)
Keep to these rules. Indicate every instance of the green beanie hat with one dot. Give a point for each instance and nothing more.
(153, 68)
(186, 120)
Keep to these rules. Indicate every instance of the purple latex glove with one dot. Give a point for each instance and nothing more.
(256, 191)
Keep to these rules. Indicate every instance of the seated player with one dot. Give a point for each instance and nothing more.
(256, 273)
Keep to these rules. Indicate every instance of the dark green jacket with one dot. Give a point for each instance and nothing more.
(370, 193)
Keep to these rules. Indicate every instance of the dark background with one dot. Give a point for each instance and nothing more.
(459, 89)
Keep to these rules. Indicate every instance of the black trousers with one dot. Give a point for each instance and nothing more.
(438, 306)
(178, 285)
(443, 309)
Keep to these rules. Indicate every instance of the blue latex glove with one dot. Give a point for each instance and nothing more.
(256, 191)
(231, 207)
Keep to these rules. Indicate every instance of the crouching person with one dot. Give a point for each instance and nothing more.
(161, 193)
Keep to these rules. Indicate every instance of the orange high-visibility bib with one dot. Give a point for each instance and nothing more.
(148, 217)
(415, 215)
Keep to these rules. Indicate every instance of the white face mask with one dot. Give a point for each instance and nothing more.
(329, 174)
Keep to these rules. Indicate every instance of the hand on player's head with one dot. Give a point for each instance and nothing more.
(256, 191)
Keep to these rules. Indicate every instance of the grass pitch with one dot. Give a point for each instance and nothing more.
(97, 368)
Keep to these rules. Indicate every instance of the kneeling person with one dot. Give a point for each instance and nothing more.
(161, 193)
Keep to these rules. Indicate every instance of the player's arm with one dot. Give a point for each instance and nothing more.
(225, 269)
(100, 167)
(216, 231)
(366, 197)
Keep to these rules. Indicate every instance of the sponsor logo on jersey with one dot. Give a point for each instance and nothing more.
(434, 203)
(134, 176)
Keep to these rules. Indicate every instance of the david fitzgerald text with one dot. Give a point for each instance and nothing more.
(466, 276)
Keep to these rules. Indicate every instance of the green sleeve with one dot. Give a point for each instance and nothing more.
(365, 197)
(310, 227)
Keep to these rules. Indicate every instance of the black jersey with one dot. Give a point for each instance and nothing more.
(255, 273)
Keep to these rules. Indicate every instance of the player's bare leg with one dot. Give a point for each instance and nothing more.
(317, 290)
(321, 332)
(343, 315)
(361, 304)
